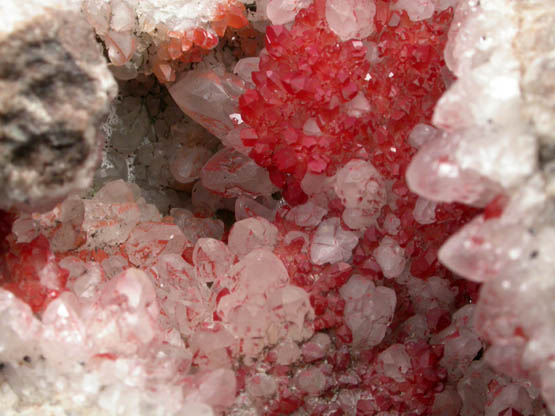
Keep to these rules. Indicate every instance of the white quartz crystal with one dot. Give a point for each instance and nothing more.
(416, 9)
(311, 380)
(212, 259)
(391, 257)
(281, 12)
(351, 19)
(424, 211)
(361, 189)
(308, 214)
(395, 362)
(492, 148)
(368, 310)
(130, 27)
(251, 233)
(331, 243)
(261, 385)
(194, 227)
(245, 67)
(149, 240)
(19, 327)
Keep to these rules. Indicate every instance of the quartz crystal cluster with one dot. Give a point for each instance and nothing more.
(157, 35)
(268, 228)
(491, 146)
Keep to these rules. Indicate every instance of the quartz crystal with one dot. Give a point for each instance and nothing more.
(498, 158)
(300, 207)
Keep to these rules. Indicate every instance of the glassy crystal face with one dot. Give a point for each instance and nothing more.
(305, 207)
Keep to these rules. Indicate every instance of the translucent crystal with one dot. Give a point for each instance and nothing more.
(251, 233)
(246, 207)
(194, 227)
(125, 319)
(209, 97)
(417, 9)
(88, 283)
(424, 211)
(64, 332)
(204, 200)
(232, 174)
(331, 243)
(435, 174)
(212, 259)
(212, 347)
(307, 215)
(391, 257)
(216, 388)
(311, 380)
(287, 352)
(395, 362)
(350, 19)
(461, 342)
(187, 163)
(368, 310)
(317, 347)
(362, 191)
(244, 68)
(148, 240)
(259, 271)
(282, 12)
(19, 327)
(261, 385)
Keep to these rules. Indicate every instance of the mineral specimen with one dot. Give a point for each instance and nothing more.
(265, 234)
(494, 149)
(155, 35)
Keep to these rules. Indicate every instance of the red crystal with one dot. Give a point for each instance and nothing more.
(32, 273)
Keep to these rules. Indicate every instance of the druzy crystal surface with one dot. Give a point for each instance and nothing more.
(305, 207)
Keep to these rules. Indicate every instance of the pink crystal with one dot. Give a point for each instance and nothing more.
(251, 233)
(362, 191)
(212, 259)
(148, 240)
(350, 19)
(209, 97)
(331, 243)
(368, 310)
(231, 174)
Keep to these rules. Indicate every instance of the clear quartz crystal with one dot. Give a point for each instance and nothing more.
(209, 97)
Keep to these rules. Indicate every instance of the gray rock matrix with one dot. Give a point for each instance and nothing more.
(55, 90)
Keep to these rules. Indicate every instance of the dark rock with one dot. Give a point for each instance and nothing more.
(55, 90)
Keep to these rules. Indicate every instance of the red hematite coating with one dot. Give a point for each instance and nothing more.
(307, 73)
(32, 273)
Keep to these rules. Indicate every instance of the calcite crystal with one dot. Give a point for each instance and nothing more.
(55, 92)
(267, 231)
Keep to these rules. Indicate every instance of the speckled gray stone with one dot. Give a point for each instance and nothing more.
(55, 90)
